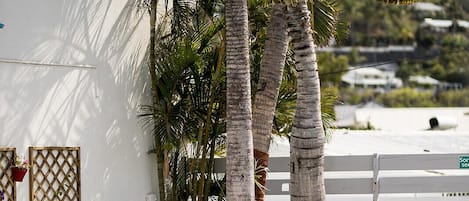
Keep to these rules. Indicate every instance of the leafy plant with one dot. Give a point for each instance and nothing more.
(259, 171)
(407, 97)
(186, 114)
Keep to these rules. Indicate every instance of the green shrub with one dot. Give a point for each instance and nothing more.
(356, 96)
(407, 97)
(454, 98)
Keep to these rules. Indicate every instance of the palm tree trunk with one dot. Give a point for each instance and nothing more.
(240, 158)
(307, 138)
(152, 69)
(270, 78)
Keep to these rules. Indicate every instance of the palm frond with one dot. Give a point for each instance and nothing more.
(342, 28)
(325, 19)
(258, 172)
(329, 97)
(182, 13)
(328, 124)
(285, 110)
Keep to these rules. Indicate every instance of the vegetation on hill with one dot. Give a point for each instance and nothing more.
(407, 97)
(373, 23)
(443, 55)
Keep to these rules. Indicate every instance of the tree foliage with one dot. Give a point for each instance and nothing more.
(186, 116)
(406, 97)
(374, 23)
(331, 68)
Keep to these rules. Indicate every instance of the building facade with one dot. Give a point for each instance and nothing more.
(72, 74)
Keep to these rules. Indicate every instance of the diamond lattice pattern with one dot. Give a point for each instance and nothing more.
(7, 185)
(55, 173)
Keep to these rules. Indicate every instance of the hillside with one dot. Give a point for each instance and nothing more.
(428, 40)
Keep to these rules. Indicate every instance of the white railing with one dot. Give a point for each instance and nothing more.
(378, 184)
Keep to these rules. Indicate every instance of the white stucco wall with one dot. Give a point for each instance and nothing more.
(71, 75)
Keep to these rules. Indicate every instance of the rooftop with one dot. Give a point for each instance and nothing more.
(370, 77)
(437, 23)
(423, 80)
(427, 6)
(412, 119)
(444, 23)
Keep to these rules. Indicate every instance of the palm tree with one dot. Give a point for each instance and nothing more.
(152, 70)
(240, 158)
(270, 77)
(307, 138)
(185, 68)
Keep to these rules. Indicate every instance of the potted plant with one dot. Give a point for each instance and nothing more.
(19, 168)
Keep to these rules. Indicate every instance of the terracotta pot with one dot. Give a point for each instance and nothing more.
(18, 173)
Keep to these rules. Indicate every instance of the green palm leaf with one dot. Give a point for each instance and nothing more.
(325, 19)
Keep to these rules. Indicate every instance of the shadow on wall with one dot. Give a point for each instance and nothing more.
(92, 106)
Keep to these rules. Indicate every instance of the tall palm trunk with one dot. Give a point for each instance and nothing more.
(240, 158)
(270, 78)
(152, 69)
(307, 138)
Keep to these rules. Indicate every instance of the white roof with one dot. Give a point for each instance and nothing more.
(412, 119)
(463, 23)
(369, 76)
(356, 75)
(345, 142)
(368, 71)
(423, 80)
(389, 67)
(427, 6)
(372, 82)
(437, 23)
(354, 142)
(444, 23)
(345, 115)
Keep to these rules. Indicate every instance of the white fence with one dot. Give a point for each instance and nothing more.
(377, 184)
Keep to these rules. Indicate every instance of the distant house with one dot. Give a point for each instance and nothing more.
(371, 78)
(424, 81)
(443, 26)
(427, 9)
(427, 82)
(450, 86)
(437, 25)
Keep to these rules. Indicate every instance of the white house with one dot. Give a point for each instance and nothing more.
(371, 78)
(72, 75)
(443, 25)
(424, 80)
(427, 7)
